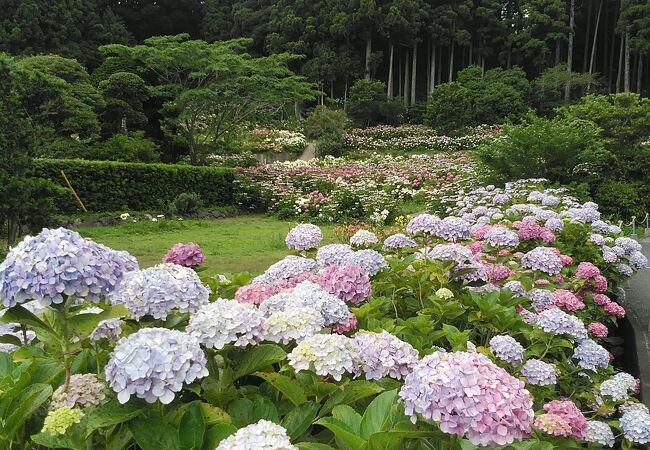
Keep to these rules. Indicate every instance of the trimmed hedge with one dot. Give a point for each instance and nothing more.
(113, 186)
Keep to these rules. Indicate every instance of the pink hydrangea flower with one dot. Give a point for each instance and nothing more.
(350, 325)
(552, 424)
(587, 270)
(349, 283)
(614, 309)
(188, 255)
(567, 301)
(601, 299)
(598, 329)
(568, 411)
(566, 260)
(600, 284)
(476, 247)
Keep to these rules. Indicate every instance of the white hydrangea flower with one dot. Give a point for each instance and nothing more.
(293, 325)
(618, 386)
(599, 433)
(263, 435)
(363, 238)
(84, 390)
(325, 354)
(226, 321)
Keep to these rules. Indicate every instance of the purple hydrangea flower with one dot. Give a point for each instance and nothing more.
(369, 260)
(110, 329)
(453, 229)
(332, 255)
(554, 224)
(398, 241)
(556, 322)
(500, 199)
(304, 237)
(629, 245)
(507, 348)
(451, 252)
(286, 268)
(153, 364)
(459, 391)
(591, 355)
(224, 322)
(60, 263)
(638, 261)
(188, 255)
(363, 238)
(636, 426)
(544, 259)
(516, 287)
(349, 283)
(84, 390)
(158, 290)
(599, 433)
(624, 269)
(423, 223)
(501, 237)
(539, 373)
(541, 299)
(382, 354)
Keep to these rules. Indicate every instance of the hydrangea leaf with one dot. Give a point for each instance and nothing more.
(378, 414)
(299, 419)
(290, 388)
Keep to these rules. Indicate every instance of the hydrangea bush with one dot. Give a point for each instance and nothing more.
(491, 328)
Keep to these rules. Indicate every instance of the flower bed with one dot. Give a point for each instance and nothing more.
(273, 140)
(489, 325)
(409, 138)
(339, 189)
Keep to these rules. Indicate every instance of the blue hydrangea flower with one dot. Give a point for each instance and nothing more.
(60, 263)
(158, 290)
(110, 329)
(286, 268)
(636, 426)
(332, 255)
(539, 373)
(450, 252)
(556, 322)
(543, 259)
(453, 229)
(423, 223)
(507, 348)
(541, 299)
(304, 237)
(153, 364)
(591, 355)
(618, 386)
(599, 433)
(398, 241)
(501, 237)
(369, 260)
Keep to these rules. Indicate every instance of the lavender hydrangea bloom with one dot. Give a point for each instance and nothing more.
(501, 236)
(618, 386)
(398, 241)
(224, 322)
(60, 263)
(304, 237)
(333, 309)
(349, 283)
(459, 391)
(451, 252)
(516, 287)
(263, 435)
(636, 426)
(500, 199)
(423, 223)
(554, 224)
(541, 299)
(453, 229)
(583, 214)
(332, 255)
(629, 245)
(543, 259)
(638, 261)
(507, 348)
(110, 329)
(599, 433)
(84, 390)
(158, 290)
(293, 325)
(153, 364)
(325, 354)
(382, 354)
(369, 260)
(188, 255)
(363, 238)
(556, 322)
(624, 269)
(539, 373)
(591, 355)
(286, 268)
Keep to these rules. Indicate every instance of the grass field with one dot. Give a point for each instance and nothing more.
(237, 244)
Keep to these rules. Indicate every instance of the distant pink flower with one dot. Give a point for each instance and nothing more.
(188, 255)
(568, 411)
(350, 325)
(598, 329)
(601, 299)
(587, 270)
(614, 309)
(567, 301)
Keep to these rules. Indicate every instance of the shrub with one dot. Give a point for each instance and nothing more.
(368, 104)
(332, 143)
(111, 186)
(323, 120)
(449, 107)
(186, 203)
(132, 147)
(549, 87)
(620, 196)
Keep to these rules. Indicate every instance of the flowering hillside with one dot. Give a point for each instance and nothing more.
(491, 324)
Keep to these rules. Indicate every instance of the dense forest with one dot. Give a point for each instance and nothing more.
(411, 45)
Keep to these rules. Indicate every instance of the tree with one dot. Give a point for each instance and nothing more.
(124, 94)
(449, 107)
(368, 104)
(211, 89)
(549, 87)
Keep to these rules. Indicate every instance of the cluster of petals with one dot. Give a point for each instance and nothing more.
(349, 283)
(369, 260)
(568, 411)
(399, 241)
(598, 329)
(591, 355)
(618, 386)
(383, 354)
(567, 300)
(188, 255)
(544, 259)
(552, 424)
(468, 395)
(423, 223)
(326, 354)
(507, 349)
(635, 423)
(304, 237)
(293, 325)
(263, 435)
(332, 254)
(287, 268)
(587, 270)
(501, 236)
(599, 433)
(539, 373)
(83, 390)
(154, 364)
(556, 322)
(109, 329)
(363, 239)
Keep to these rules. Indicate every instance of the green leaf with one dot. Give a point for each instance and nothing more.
(290, 388)
(299, 419)
(391, 440)
(241, 412)
(109, 414)
(10, 339)
(68, 440)
(213, 414)
(47, 370)
(154, 434)
(348, 393)
(84, 324)
(6, 364)
(19, 314)
(263, 408)
(344, 436)
(257, 358)
(29, 401)
(314, 446)
(378, 413)
(216, 434)
(349, 417)
(192, 428)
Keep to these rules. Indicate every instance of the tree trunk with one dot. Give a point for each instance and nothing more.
(406, 80)
(593, 46)
(297, 108)
(368, 54)
(471, 50)
(439, 74)
(451, 62)
(569, 62)
(626, 83)
(608, 57)
(639, 73)
(619, 74)
(585, 61)
(558, 52)
(345, 95)
(390, 72)
(400, 85)
(428, 66)
(432, 84)
(331, 89)
(414, 71)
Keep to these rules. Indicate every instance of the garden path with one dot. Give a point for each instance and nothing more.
(637, 305)
(309, 152)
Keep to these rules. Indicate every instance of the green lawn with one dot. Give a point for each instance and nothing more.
(238, 244)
